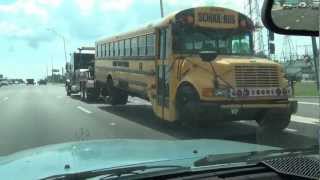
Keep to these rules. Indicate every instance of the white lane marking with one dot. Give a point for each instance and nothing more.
(309, 103)
(59, 97)
(306, 120)
(112, 124)
(291, 130)
(84, 110)
(4, 99)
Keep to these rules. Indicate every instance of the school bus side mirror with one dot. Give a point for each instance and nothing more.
(208, 55)
(299, 17)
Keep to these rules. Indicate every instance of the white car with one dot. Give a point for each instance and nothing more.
(287, 6)
(315, 4)
(4, 82)
(302, 5)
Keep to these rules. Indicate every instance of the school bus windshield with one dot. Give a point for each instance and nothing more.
(223, 42)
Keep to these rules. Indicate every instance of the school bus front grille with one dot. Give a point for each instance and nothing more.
(256, 76)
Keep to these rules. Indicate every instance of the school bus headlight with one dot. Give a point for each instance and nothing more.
(207, 92)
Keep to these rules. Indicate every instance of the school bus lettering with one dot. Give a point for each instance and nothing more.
(216, 18)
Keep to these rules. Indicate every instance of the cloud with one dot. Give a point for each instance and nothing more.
(11, 49)
(10, 29)
(115, 5)
(85, 6)
(13, 32)
(51, 3)
(25, 20)
(25, 8)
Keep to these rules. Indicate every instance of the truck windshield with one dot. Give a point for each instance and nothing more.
(223, 42)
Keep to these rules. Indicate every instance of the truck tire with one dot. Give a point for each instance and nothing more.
(116, 96)
(186, 98)
(274, 120)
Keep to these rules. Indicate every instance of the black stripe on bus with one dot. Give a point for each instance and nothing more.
(134, 82)
(130, 71)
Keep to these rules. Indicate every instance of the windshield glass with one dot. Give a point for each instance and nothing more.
(222, 42)
(98, 84)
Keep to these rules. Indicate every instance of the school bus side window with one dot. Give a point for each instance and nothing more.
(107, 49)
(134, 47)
(121, 48)
(150, 45)
(101, 50)
(127, 49)
(116, 49)
(111, 49)
(142, 45)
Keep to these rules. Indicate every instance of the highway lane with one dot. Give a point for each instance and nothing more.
(42, 115)
(33, 116)
(296, 18)
(309, 107)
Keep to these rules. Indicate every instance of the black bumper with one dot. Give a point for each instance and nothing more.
(241, 111)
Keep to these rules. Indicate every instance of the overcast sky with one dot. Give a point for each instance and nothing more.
(28, 47)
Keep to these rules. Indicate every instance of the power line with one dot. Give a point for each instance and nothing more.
(252, 8)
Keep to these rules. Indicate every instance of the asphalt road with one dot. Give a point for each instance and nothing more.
(33, 116)
(296, 18)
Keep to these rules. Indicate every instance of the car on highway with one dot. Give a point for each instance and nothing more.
(4, 82)
(30, 82)
(42, 82)
(287, 6)
(315, 4)
(302, 5)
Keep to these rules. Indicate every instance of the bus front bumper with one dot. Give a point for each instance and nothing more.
(237, 111)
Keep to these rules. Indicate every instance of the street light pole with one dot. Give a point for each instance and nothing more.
(64, 42)
(64, 48)
(161, 8)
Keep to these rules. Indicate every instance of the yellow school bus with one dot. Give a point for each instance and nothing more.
(195, 66)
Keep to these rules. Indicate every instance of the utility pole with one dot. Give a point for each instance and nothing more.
(161, 9)
(316, 60)
(252, 8)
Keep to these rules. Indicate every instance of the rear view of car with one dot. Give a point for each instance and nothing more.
(30, 82)
(302, 5)
(4, 82)
(42, 82)
(315, 4)
(287, 6)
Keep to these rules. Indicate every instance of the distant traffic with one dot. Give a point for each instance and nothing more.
(9, 82)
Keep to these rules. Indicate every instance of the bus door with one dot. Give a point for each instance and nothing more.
(163, 73)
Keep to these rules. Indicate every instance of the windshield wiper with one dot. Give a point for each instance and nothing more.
(253, 156)
(116, 172)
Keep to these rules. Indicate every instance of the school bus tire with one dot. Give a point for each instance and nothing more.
(186, 97)
(274, 120)
(116, 96)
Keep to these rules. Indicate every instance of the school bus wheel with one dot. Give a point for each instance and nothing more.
(187, 98)
(274, 120)
(116, 96)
